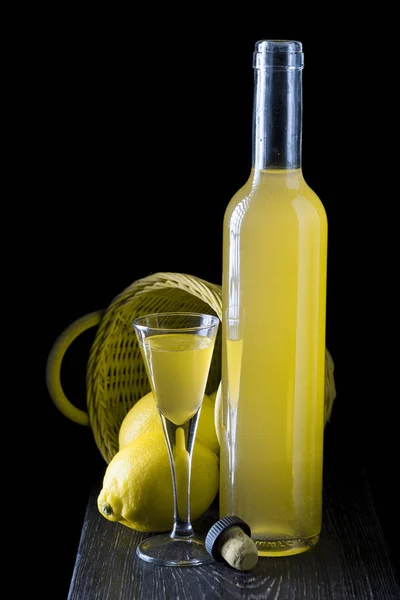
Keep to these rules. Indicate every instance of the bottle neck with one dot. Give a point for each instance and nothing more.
(277, 118)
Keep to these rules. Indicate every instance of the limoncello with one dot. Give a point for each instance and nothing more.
(178, 366)
(273, 326)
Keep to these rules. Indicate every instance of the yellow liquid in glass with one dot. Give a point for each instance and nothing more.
(178, 365)
(274, 294)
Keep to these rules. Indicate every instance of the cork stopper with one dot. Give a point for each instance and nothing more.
(229, 541)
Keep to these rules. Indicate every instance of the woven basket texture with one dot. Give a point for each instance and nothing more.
(116, 375)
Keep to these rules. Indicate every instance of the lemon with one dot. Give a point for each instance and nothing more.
(143, 418)
(137, 484)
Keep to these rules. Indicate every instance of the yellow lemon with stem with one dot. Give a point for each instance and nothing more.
(137, 486)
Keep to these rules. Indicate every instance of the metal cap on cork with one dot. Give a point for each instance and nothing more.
(278, 54)
(229, 541)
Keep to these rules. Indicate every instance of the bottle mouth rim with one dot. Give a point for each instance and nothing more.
(278, 54)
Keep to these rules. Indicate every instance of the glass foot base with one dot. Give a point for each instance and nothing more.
(173, 552)
(284, 546)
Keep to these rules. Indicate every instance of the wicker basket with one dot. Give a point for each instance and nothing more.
(116, 376)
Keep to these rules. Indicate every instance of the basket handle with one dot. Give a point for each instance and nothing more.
(53, 367)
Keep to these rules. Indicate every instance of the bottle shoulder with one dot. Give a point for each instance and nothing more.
(271, 193)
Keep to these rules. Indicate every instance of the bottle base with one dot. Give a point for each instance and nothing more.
(284, 546)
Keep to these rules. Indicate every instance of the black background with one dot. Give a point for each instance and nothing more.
(136, 134)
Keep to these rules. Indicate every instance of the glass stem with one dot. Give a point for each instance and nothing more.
(180, 442)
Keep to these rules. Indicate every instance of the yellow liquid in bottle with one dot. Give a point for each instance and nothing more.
(274, 294)
(178, 366)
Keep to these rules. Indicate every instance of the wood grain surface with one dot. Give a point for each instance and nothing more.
(351, 560)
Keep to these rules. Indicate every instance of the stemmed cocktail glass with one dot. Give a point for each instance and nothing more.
(177, 349)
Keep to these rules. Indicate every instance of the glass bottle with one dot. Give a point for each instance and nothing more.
(273, 327)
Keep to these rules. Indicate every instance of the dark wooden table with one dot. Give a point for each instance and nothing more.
(351, 560)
